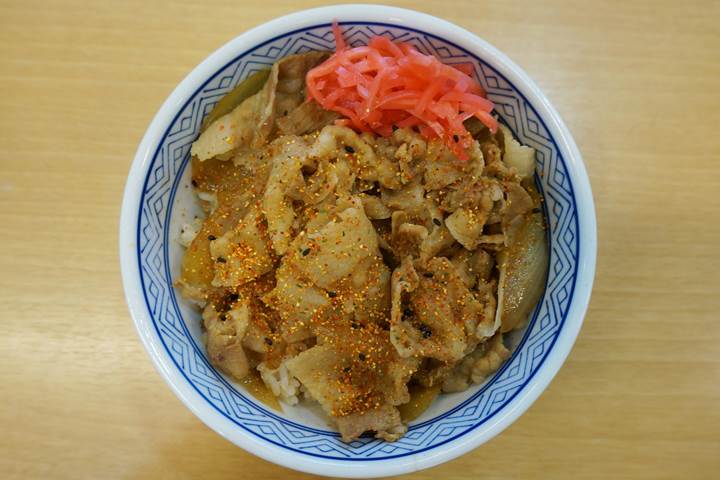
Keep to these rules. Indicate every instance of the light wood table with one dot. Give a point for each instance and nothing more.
(638, 85)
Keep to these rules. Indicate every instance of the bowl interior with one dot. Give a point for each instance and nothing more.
(167, 202)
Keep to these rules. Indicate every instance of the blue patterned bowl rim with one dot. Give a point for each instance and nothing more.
(144, 231)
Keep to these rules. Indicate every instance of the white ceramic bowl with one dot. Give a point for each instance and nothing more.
(157, 201)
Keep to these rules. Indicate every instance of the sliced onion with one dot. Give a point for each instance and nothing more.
(523, 268)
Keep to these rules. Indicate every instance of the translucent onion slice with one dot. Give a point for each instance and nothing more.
(523, 268)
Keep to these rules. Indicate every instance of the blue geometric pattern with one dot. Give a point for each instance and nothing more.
(153, 237)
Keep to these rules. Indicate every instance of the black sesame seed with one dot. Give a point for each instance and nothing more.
(305, 252)
(212, 237)
(346, 369)
(221, 260)
(223, 317)
(425, 330)
(437, 221)
(355, 325)
(456, 138)
(428, 275)
(268, 341)
(361, 356)
(234, 297)
(349, 149)
(194, 183)
(332, 294)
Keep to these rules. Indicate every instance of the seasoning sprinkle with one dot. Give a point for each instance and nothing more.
(366, 356)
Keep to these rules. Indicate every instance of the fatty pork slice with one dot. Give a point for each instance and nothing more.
(517, 156)
(224, 337)
(298, 303)
(384, 421)
(336, 142)
(433, 313)
(477, 366)
(333, 252)
(288, 156)
(443, 168)
(243, 253)
(251, 124)
(357, 377)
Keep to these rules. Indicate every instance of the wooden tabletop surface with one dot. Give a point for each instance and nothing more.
(638, 84)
